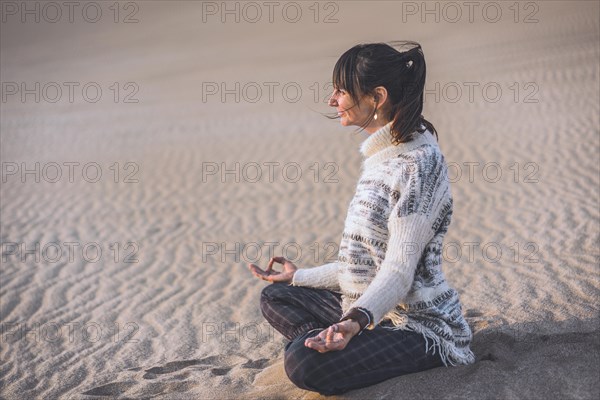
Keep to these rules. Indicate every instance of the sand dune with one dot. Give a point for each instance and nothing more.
(167, 308)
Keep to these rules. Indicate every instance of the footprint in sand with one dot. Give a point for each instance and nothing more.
(111, 389)
(257, 364)
(218, 366)
(220, 371)
(175, 366)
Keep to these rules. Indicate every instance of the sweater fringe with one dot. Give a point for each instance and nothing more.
(448, 352)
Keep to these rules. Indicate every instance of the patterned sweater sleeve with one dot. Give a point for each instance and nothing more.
(322, 277)
(424, 189)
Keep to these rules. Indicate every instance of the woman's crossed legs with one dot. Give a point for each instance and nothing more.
(374, 356)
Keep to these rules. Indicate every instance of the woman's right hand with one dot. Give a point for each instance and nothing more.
(269, 274)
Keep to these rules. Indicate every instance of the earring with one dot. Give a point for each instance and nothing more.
(375, 116)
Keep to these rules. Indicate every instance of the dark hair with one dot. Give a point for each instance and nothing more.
(366, 66)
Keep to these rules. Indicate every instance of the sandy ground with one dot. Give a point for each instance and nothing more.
(124, 247)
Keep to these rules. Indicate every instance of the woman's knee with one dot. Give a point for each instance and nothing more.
(269, 294)
(302, 367)
(298, 363)
(272, 292)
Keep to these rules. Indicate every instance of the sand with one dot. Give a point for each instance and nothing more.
(168, 309)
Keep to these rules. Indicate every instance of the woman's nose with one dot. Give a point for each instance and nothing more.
(332, 102)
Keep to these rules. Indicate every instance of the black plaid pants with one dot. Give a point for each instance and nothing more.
(372, 357)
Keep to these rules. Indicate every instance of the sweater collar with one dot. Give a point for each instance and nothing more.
(382, 140)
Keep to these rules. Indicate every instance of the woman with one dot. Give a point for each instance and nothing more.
(384, 308)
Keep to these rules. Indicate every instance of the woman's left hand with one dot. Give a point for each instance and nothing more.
(334, 338)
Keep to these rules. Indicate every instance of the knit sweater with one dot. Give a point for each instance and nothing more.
(390, 256)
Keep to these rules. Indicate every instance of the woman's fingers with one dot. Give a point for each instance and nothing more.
(280, 260)
(330, 333)
(270, 274)
(318, 347)
(270, 266)
(322, 346)
(329, 339)
(255, 269)
(316, 343)
(259, 273)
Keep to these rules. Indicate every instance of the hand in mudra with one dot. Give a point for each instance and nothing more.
(269, 274)
(334, 338)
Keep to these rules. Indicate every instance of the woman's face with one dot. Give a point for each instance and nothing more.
(349, 113)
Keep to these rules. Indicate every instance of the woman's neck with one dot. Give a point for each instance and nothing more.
(376, 125)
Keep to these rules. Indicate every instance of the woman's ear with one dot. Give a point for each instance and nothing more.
(380, 95)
